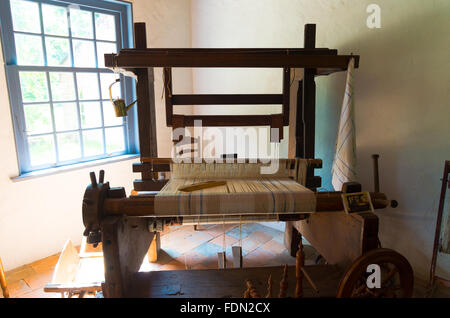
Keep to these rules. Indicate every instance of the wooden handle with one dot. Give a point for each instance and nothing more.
(3, 281)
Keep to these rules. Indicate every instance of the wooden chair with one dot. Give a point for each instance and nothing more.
(3, 281)
(68, 277)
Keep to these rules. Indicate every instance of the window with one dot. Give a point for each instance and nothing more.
(58, 85)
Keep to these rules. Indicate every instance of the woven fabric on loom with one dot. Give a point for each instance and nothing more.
(247, 191)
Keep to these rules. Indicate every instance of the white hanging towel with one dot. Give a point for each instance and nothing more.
(344, 163)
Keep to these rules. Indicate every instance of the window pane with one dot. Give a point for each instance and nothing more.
(42, 150)
(105, 27)
(102, 49)
(34, 86)
(107, 79)
(90, 115)
(66, 116)
(93, 142)
(25, 16)
(29, 49)
(87, 86)
(109, 115)
(55, 20)
(38, 118)
(115, 140)
(62, 86)
(83, 53)
(81, 23)
(68, 146)
(58, 51)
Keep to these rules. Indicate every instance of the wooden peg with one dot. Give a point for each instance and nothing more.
(269, 287)
(252, 292)
(284, 283)
(300, 262)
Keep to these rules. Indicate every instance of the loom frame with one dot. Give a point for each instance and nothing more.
(121, 223)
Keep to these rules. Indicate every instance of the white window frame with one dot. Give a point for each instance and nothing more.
(123, 15)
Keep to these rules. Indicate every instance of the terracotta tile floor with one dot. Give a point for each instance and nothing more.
(262, 246)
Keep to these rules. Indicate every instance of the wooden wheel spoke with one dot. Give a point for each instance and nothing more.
(389, 276)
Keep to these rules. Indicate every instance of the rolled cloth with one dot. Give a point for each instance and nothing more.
(248, 191)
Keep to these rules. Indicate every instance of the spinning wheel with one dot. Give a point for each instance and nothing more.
(397, 278)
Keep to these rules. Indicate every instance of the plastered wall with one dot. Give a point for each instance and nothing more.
(402, 93)
(38, 215)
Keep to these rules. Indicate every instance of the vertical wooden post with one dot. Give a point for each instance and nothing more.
(299, 139)
(3, 281)
(291, 238)
(286, 94)
(237, 256)
(309, 103)
(145, 100)
(304, 128)
(125, 242)
(168, 92)
(309, 96)
(222, 260)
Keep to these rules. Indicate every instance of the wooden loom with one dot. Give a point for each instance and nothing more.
(125, 225)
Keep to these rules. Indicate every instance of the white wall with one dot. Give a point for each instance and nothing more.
(168, 26)
(38, 215)
(402, 92)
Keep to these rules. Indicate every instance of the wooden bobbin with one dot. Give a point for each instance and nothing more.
(300, 263)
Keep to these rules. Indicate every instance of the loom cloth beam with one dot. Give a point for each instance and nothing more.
(144, 205)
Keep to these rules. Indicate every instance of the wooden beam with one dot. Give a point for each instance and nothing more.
(309, 100)
(315, 163)
(228, 120)
(299, 126)
(149, 167)
(133, 60)
(216, 51)
(291, 238)
(145, 100)
(125, 242)
(144, 205)
(309, 96)
(149, 185)
(313, 182)
(309, 40)
(140, 35)
(168, 93)
(276, 122)
(286, 95)
(219, 99)
(74, 288)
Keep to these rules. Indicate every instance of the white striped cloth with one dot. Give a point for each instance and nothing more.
(344, 163)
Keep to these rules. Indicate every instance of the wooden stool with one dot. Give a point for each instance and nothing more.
(3, 281)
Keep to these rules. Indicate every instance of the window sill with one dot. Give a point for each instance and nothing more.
(77, 166)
